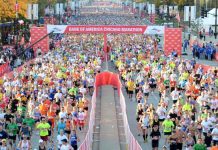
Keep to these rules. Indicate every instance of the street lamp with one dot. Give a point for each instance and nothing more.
(215, 34)
(15, 22)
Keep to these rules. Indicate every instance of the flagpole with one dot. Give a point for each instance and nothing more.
(16, 7)
(16, 13)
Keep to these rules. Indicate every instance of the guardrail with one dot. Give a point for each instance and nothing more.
(87, 143)
(131, 141)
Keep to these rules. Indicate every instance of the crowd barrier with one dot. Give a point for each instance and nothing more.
(205, 68)
(216, 56)
(132, 143)
(4, 68)
(9, 74)
(87, 143)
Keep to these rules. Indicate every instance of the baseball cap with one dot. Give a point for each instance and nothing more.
(4, 140)
(64, 140)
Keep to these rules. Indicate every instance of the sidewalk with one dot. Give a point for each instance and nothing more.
(201, 61)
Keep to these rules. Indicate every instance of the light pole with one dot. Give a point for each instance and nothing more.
(151, 15)
(215, 34)
(31, 12)
(59, 13)
(59, 3)
(75, 8)
(189, 19)
(15, 22)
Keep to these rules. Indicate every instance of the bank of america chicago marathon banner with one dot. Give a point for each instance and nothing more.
(105, 29)
(172, 36)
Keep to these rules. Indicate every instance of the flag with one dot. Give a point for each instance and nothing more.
(16, 6)
(178, 17)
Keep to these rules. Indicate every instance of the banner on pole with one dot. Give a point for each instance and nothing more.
(59, 9)
(173, 40)
(187, 12)
(173, 10)
(35, 11)
(29, 11)
(151, 8)
(47, 11)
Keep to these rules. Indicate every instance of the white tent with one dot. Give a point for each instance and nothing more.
(208, 21)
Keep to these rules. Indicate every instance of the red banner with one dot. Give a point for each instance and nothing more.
(106, 29)
(36, 34)
(216, 55)
(173, 40)
(205, 68)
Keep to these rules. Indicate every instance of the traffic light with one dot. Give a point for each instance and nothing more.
(202, 12)
(205, 13)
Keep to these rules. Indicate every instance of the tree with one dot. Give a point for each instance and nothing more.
(139, 1)
(7, 8)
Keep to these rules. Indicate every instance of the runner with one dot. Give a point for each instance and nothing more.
(155, 135)
(167, 128)
(60, 137)
(199, 145)
(74, 139)
(24, 144)
(172, 140)
(44, 127)
(144, 125)
(189, 142)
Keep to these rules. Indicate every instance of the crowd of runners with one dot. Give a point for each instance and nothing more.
(108, 19)
(186, 114)
(50, 95)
